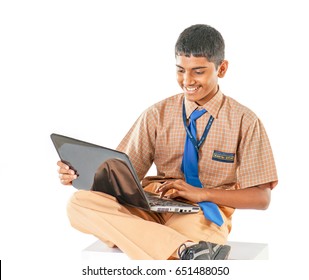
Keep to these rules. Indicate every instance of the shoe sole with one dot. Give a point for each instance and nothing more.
(222, 253)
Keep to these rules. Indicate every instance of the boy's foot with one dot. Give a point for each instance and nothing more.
(204, 251)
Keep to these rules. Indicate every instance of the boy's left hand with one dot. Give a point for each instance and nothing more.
(181, 189)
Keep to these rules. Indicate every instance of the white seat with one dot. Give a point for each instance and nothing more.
(239, 251)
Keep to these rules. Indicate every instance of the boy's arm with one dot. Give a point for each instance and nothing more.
(257, 197)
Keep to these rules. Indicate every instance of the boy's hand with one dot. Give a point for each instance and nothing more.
(181, 189)
(66, 174)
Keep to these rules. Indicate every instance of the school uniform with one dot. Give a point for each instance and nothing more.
(235, 155)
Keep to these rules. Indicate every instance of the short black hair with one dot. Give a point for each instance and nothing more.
(201, 40)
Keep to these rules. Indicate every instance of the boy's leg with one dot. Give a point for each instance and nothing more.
(197, 228)
(139, 234)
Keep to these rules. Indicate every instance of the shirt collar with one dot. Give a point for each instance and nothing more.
(212, 106)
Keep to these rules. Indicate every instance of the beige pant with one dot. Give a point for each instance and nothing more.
(141, 234)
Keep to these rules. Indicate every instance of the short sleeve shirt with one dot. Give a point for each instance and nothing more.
(236, 150)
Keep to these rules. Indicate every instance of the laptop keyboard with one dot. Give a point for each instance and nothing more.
(155, 200)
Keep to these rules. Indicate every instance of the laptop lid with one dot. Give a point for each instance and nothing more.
(85, 158)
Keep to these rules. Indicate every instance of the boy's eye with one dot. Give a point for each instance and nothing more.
(179, 70)
(199, 72)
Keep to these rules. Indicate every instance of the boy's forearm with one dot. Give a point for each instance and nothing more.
(257, 197)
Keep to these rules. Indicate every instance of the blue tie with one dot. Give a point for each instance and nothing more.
(190, 167)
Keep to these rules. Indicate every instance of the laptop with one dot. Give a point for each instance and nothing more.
(85, 158)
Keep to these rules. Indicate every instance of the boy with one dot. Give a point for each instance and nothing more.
(207, 148)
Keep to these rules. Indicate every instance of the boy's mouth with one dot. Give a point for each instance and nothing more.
(191, 90)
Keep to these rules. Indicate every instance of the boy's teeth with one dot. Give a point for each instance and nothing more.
(192, 89)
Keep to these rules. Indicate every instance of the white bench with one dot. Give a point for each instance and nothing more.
(239, 251)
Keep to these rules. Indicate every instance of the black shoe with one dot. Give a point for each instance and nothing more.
(204, 251)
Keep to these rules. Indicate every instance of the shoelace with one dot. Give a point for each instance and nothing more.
(181, 251)
(189, 252)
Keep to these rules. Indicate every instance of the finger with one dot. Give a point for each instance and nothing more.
(66, 182)
(66, 171)
(170, 186)
(158, 187)
(63, 165)
(176, 194)
(162, 191)
(67, 177)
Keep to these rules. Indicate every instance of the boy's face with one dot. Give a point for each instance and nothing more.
(198, 77)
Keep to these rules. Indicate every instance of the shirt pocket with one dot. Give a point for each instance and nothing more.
(220, 167)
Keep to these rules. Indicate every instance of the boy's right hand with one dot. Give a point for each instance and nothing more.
(66, 174)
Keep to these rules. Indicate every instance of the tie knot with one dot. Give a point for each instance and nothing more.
(196, 114)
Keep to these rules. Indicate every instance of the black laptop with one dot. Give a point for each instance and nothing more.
(85, 158)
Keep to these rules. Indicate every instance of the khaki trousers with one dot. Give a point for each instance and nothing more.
(140, 234)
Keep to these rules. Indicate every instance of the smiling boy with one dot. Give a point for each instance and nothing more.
(207, 148)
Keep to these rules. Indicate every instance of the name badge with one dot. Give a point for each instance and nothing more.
(223, 157)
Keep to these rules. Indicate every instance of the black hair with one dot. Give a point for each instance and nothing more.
(201, 40)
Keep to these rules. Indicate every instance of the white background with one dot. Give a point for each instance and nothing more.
(66, 66)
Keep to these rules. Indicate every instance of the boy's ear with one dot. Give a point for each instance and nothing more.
(223, 68)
